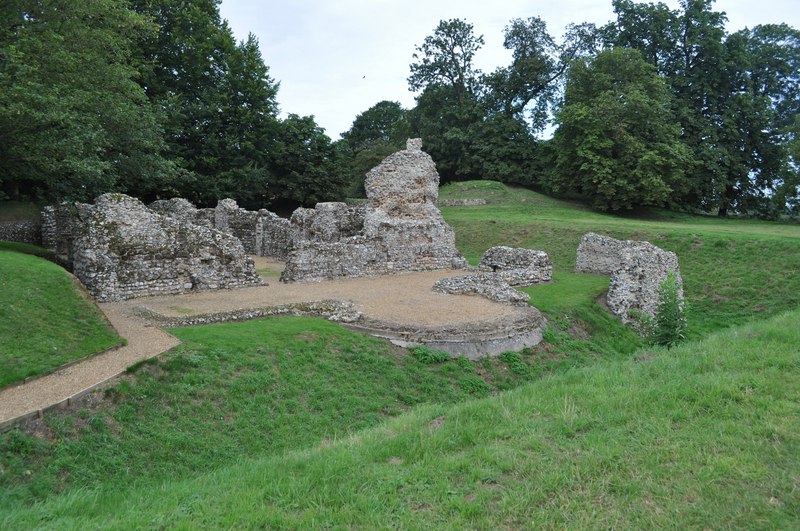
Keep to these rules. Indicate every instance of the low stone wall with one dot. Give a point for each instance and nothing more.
(460, 202)
(517, 266)
(22, 232)
(636, 268)
(489, 286)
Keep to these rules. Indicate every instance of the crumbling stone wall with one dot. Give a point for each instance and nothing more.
(262, 233)
(243, 224)
(636, 268)
(275, 235)
(21, 231)
(125, 250)
(399, 229)
(517, 266)
(503, 268)
(59, 227)
(488, 286)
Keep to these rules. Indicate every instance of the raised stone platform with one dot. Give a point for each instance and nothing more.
(401, 308)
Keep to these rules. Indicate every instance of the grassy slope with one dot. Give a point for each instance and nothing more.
(733, 270)
(256, 388)
(705, 435)
(44, 320)
(237, 409)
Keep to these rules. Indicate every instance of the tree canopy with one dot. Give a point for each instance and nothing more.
(156, 98)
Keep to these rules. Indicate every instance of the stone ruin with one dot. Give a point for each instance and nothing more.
(517, 266)
(637, 268)
(503, 267)
(121, 249)
(262, 233)
(399, 229)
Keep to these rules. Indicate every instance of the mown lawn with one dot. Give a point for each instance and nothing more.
(44, 320)
(706, 435)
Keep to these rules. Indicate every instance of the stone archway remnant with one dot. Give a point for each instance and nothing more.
(636, 270)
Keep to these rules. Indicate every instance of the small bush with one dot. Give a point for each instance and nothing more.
(474, 385)
(670, 319)
(428, 355)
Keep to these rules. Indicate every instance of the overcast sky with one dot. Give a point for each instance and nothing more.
(337, 58)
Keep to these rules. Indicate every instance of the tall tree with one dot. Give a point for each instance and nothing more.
(217, 95)
(446, 58)
(617, 142)
(73, 121)
(375, 134)
(384, 122)
(533, 80)
(305, 164)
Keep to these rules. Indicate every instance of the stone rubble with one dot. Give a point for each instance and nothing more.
(503, 268)
(517, 266)
(399, 229)
(487, 285)
(636, 268)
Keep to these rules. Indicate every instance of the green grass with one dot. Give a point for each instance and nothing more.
(706, 435)
(239, 390)
(44, 320)
(734, 270)
(296, 422)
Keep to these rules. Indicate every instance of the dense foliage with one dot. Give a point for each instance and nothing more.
(156, 98)
(698, 118)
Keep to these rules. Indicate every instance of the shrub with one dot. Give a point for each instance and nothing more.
(670, 321)
(428, 355)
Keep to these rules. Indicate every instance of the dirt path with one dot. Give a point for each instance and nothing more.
(403, 298)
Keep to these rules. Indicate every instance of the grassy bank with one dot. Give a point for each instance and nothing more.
(44, 320)
(702, 436)
(258, 388)
(734, 270)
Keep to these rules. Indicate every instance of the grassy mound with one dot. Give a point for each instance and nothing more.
(44, 320)
(704, 435)
(734, 270)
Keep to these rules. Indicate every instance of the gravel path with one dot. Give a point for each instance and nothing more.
(403, 298)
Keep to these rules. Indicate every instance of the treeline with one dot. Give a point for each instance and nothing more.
(658, 107)
(156, 98)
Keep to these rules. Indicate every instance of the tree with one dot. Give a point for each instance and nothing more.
(375, 134)
(73, 121)
(533, 80)
(446, 58)
(218, 97)
(305, 165)
(617, 142)
(735, 97)
(384, 122)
